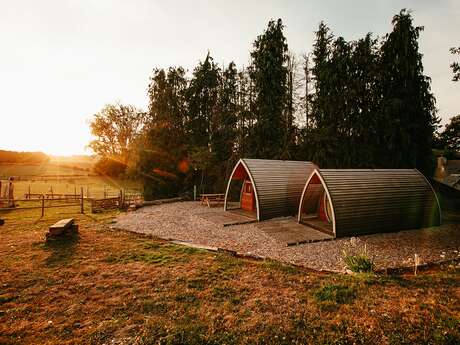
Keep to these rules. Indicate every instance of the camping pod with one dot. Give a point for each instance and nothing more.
(349, 202)
(265, 189)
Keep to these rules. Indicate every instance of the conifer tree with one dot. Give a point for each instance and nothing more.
(164, 150)
(268, 73)
(408, 113)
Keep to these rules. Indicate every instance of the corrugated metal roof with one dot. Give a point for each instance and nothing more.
(277, 184)
(369, 201)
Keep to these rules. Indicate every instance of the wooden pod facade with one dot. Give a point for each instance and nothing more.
(349, 202)
(270, 188)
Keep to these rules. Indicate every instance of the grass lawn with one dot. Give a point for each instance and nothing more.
(110, 287)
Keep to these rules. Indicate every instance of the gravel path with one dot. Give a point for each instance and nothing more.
(185, 221)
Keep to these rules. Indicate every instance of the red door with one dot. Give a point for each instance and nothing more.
(247, 197)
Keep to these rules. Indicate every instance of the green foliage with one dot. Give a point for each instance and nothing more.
(330, 295)
(359, 263)
(202, 98)
(372, 107)
(450, 137)
(162, 157)
(268, 73)
(107, 166)
(116, 129)
(407, 118)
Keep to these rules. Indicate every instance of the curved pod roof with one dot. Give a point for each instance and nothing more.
(367, 201)
(277, 185)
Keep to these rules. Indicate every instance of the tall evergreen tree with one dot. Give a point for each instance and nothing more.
(245, 115)
(268, 73)
(225, 118)
(408, 114)
(164, 152)
(319, 139)
(364, 102)
(203, 101)
(224, 122)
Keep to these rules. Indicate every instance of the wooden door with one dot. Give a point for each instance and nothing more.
(247, 197)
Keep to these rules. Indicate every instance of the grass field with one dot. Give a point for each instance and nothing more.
(64, 180)
(111, 287)
(48, 169)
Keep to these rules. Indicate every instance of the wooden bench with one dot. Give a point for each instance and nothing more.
(62, 226)
(208, 199)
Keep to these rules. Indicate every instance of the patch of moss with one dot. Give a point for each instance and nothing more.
(330, 296)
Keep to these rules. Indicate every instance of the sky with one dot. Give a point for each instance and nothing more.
(61, 61)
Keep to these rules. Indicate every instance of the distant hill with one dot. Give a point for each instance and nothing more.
(23, 157)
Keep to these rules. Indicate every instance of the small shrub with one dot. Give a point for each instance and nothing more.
(359, 262)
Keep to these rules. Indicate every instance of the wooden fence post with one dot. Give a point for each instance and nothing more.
(43, 205)
(81, 202)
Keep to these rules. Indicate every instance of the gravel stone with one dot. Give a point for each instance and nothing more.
(186, 221)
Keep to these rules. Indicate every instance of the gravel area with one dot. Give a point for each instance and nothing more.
(186, 221)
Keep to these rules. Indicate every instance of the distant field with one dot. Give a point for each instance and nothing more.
(64, 179)
(48, 169)
(92, 186)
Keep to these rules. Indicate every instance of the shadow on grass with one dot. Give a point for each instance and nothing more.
(62, 249)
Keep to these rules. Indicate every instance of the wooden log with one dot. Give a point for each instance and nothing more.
(61, 226)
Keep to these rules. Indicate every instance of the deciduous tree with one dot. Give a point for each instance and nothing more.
(116, 129)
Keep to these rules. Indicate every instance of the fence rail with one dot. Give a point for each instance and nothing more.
(122, 201)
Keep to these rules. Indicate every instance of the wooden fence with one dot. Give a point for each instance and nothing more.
(45, 201)
(100, 205)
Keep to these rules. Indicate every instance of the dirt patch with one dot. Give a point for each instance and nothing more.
(187, 221)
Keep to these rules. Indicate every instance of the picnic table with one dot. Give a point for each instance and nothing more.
(208, 199)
